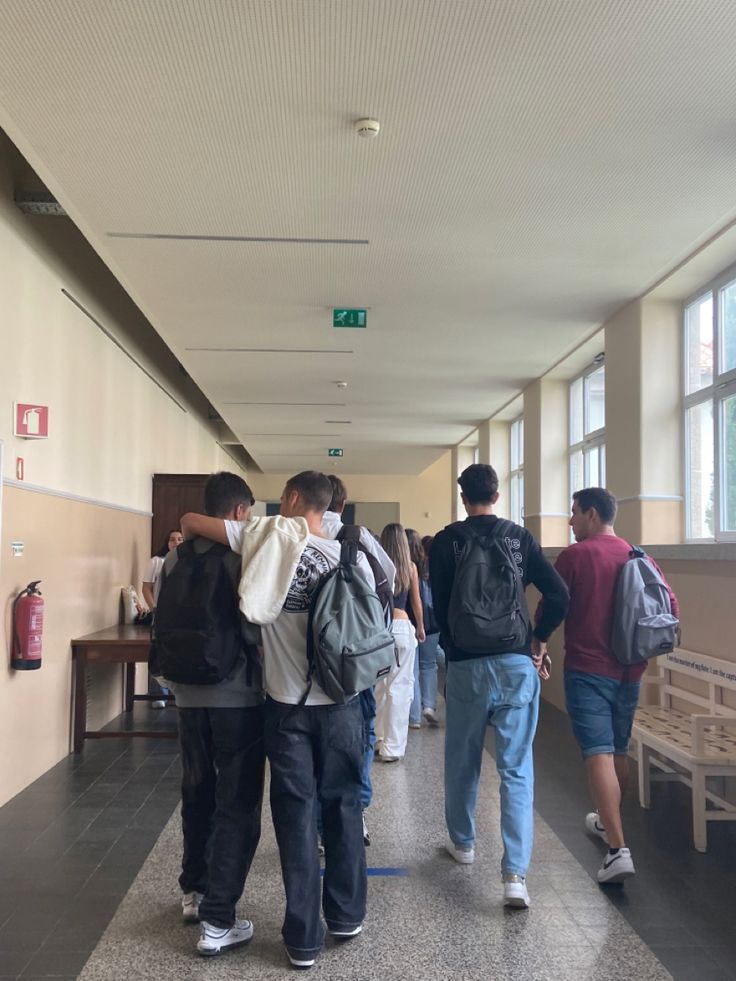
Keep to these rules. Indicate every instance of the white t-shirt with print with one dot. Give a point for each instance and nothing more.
(285, 640)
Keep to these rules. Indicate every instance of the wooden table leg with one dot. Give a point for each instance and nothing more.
(80, 700)
(129, 669)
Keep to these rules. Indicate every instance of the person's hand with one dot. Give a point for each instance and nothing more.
(541, 658)
(421, 636)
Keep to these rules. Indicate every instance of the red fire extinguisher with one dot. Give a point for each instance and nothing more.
(27, 628)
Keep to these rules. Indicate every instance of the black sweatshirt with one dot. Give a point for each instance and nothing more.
(533, 566)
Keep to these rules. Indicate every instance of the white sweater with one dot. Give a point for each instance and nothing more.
(271, 548)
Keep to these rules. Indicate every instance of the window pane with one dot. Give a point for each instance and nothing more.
(592, 469)
(602, 464)
(521, 446)
(728, 468)
(699, 431)
(515, 512)
(515, 445)
(576, 411)
(595, 393)
(521, 498)
(728, 327)
(577, 477)
(699, 343)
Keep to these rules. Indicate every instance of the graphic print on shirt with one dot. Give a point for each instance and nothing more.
(311, 568)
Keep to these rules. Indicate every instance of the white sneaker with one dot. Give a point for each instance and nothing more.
(213, 940)
(158, 704)
(190, 906)
(465, 856)
(300, 961)
(349, 932)
(616, 867)
(515, 893)
(415, 725)
(594, 827)
(430, 717)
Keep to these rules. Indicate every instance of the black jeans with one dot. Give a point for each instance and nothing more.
(223, 762)
(316, 754)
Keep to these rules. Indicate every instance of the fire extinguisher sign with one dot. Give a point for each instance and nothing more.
(31, 421)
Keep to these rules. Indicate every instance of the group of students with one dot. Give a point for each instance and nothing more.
(320, 752)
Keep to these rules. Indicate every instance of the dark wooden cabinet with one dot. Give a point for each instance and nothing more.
(173, 495)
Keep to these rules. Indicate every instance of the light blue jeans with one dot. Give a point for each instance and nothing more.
(502, 690)
(425, 677)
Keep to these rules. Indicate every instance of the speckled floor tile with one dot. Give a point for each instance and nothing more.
(442, 921)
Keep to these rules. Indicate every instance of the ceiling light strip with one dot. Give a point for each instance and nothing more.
(322, 404)
(117, 344)
(268, 350)
(289, 435)
(238, 238)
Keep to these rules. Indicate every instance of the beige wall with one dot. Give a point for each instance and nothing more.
(110, 429)
(423, 500)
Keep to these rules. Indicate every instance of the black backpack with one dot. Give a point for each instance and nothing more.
(349, 646)
(351, 533)
(197, 636)
(487, 612)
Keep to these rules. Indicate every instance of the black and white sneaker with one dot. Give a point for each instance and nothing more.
(366, 832)
(594, 827)
(616, 867)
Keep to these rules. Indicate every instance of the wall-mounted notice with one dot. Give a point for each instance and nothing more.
(30, 421)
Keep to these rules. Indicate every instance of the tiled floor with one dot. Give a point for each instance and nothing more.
(72, 844)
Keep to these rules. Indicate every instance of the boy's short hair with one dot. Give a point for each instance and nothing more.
(314, 487)
(339, 493)
(599, 498)
(223, 492)
(479, 483)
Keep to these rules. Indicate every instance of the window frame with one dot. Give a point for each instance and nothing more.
(722, 387)
(516, 427)
(593, 441)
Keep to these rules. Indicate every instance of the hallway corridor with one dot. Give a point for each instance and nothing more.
(77, 842)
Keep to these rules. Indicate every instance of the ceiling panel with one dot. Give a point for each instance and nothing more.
(539, 164)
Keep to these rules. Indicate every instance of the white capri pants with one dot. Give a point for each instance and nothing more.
(394, 694)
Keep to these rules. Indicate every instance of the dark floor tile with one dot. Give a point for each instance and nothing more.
(54, 960)
(12, 962)
(691, 964)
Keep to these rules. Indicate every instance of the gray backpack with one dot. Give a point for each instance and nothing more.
(349, 646)
(643, 624)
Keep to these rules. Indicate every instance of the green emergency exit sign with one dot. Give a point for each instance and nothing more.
(335, 452)
(349, 318)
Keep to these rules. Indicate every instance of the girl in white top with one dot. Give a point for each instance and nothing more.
(151, 586)
(152, 575)
(395, 691)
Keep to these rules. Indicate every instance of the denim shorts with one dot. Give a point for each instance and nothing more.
(601, 711)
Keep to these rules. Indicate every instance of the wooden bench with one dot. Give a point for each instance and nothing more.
(690, 735)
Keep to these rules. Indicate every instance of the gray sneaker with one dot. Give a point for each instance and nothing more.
(190, 906)
(213, 940)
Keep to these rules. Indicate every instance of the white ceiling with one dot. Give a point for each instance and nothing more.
(540, 163)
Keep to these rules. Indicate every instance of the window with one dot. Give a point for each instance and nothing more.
(517, 471)
(709, 404)
(587, 433)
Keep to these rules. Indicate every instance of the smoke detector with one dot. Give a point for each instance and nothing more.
(367, 127)
(341, 384)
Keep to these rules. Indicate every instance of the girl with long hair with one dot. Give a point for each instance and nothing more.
(424, 705)
(395, 691)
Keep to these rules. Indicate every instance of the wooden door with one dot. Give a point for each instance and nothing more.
(173, 495)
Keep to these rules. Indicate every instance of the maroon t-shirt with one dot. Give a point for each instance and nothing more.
(590, 569)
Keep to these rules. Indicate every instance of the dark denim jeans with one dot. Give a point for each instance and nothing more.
(223, 762)
(316, 754)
